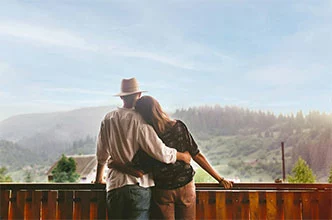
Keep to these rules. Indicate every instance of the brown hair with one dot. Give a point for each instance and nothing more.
(153, 114)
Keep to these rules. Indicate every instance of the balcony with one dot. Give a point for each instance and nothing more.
(244, 201)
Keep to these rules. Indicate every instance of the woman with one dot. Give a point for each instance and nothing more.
(174, 195)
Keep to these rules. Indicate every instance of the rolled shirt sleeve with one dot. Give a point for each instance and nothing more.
(102, 145)
(152, 145)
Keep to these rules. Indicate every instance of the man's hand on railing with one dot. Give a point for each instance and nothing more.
(99, 181)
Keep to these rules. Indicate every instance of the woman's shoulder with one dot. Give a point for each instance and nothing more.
(178, 121)
(180, 125)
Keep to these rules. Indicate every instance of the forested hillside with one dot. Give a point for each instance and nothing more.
(238, 142)
(253, 136)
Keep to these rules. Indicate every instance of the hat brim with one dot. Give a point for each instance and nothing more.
(129, 93)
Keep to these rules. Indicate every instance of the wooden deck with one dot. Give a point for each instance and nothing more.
(244, 201)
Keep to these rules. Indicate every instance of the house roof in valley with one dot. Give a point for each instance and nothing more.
(84, 164)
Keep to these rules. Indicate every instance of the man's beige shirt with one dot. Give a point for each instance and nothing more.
(122, 133)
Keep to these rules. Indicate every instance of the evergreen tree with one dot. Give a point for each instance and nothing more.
(65, 170)
(28, 177)
(3, 176)
(301, 173)
(330, 176)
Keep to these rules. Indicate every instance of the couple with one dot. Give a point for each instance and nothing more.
(127, 135)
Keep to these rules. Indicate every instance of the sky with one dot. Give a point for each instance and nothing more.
(262, 55)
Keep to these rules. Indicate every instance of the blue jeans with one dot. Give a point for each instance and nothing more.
(129, 202)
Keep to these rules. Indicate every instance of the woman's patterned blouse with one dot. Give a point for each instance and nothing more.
(170, 176)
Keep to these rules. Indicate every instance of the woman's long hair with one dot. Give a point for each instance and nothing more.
(153, 114)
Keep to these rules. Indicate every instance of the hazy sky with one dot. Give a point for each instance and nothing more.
(269, 55)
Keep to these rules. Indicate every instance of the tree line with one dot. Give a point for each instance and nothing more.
(308, 135)
(232, 120)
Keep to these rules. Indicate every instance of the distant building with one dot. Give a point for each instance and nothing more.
(86, 166)
(235, 180)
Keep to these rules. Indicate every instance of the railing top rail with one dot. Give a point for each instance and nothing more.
(266, 186)
(52, 186)
(199, 186)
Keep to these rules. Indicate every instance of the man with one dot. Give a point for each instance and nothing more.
(122, 133)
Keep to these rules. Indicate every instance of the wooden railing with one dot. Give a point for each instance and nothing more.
(244, 201)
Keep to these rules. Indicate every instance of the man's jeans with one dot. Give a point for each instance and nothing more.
(129, 202)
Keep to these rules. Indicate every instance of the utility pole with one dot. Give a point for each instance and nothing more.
(283, 162)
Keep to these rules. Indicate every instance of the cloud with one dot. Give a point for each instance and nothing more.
(77, 90)
(316, 8)
(9, 75)
(187, 52)
(43, 35)
(4, 68)
(300, 58)
(65, 38)
(279, 75)
(2, 94)
(77, 103)
(155, 57)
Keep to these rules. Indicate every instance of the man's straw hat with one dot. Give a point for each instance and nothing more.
(129, 87)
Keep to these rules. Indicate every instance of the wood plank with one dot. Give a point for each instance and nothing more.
(52, 186)
(314, 205)
(202, 199)
(17, 202)
(36, 199)
(237, 205)
(212, 205)
(28, 205)
(280, 205)
(93, 205)
(329, 192)
(288, 204)
(271, 205)
(206, 205)
(324, 204)
(101, 204)
(49, 203)
(262, 205)
(306, 205)
(254, 205)
(65, 205)
(229, 204)
(82, 205)
(199, 186)
(221, 210)
(297, 205)
(292, 205)
(199, 207)
(32, 204)
(4, 203)
(245, 214)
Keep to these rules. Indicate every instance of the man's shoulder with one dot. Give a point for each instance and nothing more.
(122, 113)
(111, 114)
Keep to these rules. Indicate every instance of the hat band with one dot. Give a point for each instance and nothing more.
(129, 89)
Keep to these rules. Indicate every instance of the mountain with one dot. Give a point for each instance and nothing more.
(51, 134)
(64, 125)
(13, 156)
(247, 143)
(238, 142)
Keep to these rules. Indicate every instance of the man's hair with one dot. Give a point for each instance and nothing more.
(130, 99)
